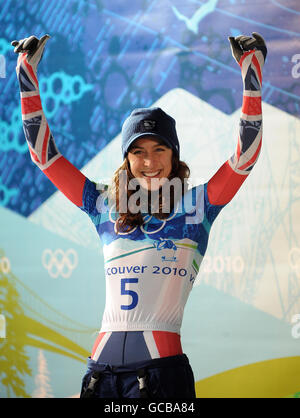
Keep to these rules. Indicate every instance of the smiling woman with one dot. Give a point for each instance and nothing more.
(148, 159)
(152, 256)
(150, 149)
(151, 179)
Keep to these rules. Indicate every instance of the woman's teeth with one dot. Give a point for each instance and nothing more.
(151, 174)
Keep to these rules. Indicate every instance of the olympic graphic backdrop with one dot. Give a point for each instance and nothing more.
(104, 59)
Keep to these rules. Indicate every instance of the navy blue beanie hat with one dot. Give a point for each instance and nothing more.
(150, 122)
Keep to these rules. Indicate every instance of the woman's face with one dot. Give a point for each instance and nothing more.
(150, 160)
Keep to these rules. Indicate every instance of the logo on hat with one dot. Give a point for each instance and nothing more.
(149, 124)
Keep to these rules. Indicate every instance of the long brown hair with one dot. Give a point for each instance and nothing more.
(128, 220)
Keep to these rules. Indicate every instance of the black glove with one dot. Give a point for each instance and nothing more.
(34, 48)
(242, 44)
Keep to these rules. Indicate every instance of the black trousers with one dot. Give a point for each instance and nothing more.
(166, 377)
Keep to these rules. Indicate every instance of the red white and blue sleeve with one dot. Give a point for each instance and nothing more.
(43, 150)
(225, 183)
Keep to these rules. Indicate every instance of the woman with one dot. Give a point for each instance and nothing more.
(154, 231)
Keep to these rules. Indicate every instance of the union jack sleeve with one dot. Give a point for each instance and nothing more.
(43, 151)
(229, 178)
(42, 148)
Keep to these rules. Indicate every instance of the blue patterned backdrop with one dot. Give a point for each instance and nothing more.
(105, 58)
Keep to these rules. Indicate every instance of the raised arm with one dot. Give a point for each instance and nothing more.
(250, 53)
(44, 153)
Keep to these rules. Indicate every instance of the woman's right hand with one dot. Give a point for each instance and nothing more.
(30, 49)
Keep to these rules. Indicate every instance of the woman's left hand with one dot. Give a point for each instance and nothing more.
(241, 44)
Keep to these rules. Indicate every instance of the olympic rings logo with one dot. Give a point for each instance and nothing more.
(59, 262)
(146, 218)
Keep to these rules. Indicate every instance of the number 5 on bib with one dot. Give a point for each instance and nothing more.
(131, 293)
